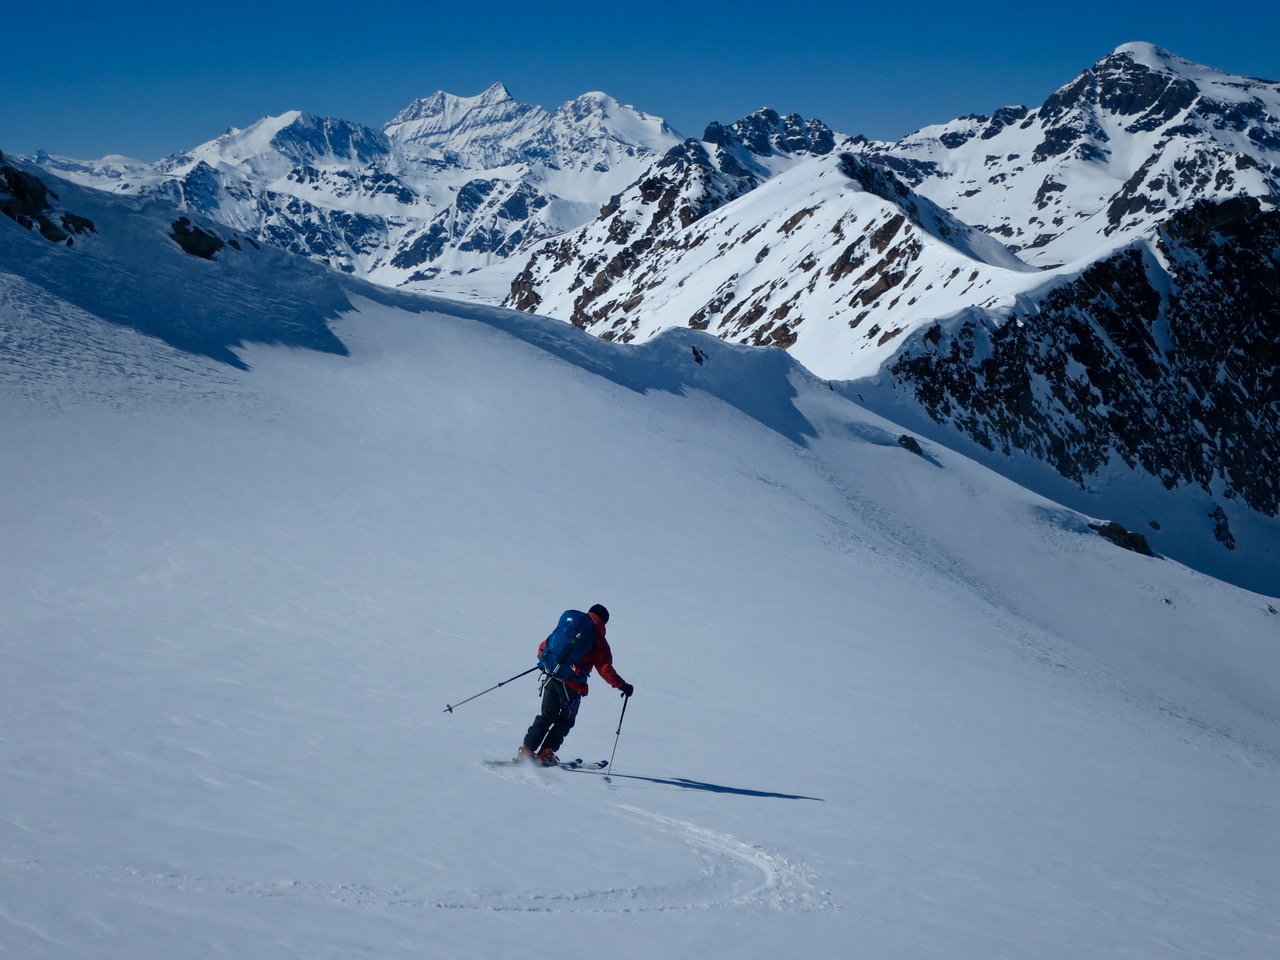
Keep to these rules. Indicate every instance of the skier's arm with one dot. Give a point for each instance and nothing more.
(611, 676)
(603, 658)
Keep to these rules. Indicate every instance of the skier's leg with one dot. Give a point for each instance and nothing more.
(553, 704)
(568, 717)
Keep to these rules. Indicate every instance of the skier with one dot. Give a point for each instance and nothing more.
(561, 695)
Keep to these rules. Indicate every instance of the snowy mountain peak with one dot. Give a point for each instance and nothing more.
(486, 129)
(495, 93)
(239, 144)
(1150, 56)
(603, 112)
(449, 110)
(1159, 60)
(1136, 136)
(274, 145)
(597, 127)
(493, 130)
(591, 102)
(1142, 79)
(309, 138)
(766, 132)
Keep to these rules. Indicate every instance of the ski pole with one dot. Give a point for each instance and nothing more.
(448, 708)
(607, 778)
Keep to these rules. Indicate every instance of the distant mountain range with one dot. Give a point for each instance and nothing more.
(451, 184)
(1092, 285)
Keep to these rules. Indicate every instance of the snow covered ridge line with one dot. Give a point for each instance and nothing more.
(1145, 191)
(832, 257)
(451, 184)
(133, 270)
(456, 184)
(26, 200)
(1106, 161)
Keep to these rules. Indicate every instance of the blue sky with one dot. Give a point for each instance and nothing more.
(88, 79)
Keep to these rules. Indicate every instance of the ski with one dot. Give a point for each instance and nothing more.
(581, 764)
(576, 764)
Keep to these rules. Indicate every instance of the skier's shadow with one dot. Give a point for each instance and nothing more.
(709, 787)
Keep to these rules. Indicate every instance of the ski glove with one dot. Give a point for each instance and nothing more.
(627, 689)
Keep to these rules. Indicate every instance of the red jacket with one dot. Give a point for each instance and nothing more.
(599, 656)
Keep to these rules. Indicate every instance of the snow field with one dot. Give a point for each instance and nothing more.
(236, 603)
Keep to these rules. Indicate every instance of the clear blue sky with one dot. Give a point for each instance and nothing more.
(87, 79)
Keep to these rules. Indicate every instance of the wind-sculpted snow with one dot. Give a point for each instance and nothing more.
(759, 384)
(131, 270)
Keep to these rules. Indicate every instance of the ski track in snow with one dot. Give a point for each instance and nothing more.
(741, 874)
(734, 875)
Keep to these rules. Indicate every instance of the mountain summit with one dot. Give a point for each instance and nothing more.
(1138, 135)
(487, 130)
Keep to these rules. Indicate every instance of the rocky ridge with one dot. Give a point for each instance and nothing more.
(1130, 328)
(1136, 137)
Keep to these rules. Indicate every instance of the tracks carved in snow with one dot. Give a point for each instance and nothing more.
(733, 874)
(736, 873)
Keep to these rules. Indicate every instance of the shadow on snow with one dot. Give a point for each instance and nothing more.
(699, 785)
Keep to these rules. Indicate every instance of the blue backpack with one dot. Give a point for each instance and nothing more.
(569, 642)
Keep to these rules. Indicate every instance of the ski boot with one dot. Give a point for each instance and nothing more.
(547, 757)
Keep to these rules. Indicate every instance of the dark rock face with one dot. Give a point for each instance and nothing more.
(1121, 537)
(911, 444)
(1176, 371)
(25, 195)
(765, 132)
(1004, 117)
(1120, 85)
(194, 240)
(25, 199)
(486, 216)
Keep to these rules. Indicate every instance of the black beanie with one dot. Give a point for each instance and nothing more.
(600, 612)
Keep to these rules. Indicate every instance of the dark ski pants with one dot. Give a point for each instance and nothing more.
(552, 725)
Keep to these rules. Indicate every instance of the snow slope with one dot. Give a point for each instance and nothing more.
(834, 259)
(888, 705)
